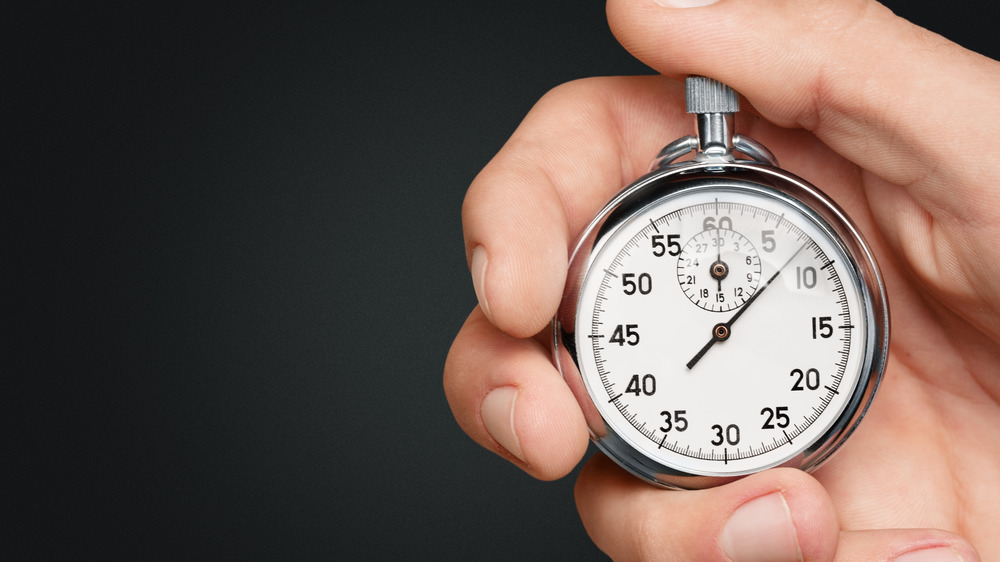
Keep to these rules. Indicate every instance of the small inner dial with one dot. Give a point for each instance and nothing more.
(718, 269)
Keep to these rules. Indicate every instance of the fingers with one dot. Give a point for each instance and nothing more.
(505, 393)
(882, 92)
(780, 514)
(777, 515)
(905, 545)
(913, 110)
(579, 145)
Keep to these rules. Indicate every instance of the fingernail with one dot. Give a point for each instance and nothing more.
(684, 3)
(478, 268)
(940, 554)
(761, 529)
(497, 411)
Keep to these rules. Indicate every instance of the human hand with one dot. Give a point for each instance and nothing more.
(893, 123)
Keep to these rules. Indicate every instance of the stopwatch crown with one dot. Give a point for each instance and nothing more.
(705, 95)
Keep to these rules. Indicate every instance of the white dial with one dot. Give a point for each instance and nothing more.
(721, 330)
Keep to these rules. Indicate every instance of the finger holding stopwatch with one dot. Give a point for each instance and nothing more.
(504, 392)
(779, 514)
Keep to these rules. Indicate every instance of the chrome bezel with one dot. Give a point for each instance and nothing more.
(668, 182)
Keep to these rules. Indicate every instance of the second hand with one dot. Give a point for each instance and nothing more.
(722, 331)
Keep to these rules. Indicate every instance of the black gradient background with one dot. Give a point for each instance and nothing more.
(234, 266)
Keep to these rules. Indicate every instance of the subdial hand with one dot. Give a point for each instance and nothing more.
(719, 271)
(721, 332)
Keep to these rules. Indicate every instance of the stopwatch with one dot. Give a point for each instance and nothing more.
(721, 316)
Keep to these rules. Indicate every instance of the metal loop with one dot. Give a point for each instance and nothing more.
(754, 150)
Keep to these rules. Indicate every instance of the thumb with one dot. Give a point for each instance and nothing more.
(778, 514)
(882, 92)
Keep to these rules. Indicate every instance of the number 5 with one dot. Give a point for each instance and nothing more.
(767, 240)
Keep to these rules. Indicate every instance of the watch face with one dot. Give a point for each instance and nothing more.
(722, 327)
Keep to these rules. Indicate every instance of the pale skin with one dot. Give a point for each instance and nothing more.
(898, 126)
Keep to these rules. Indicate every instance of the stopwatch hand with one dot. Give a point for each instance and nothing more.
(722, 332)
(718, 258)
(703, 351)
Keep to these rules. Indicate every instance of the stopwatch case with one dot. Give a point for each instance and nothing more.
(764, 179)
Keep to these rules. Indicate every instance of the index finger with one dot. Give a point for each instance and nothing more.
(882, 92)
(580, 144)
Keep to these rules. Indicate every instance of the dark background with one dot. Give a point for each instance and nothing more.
(234, 266)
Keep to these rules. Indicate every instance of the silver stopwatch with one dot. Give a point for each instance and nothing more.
(721, 315)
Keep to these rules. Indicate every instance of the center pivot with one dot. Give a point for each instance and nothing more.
(721, 332)
(719, 270)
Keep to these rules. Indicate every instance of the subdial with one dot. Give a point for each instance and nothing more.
(718, 269)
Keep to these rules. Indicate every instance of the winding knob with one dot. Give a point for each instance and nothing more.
(705, 95)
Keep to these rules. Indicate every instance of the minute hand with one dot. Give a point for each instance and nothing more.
(729, 325)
